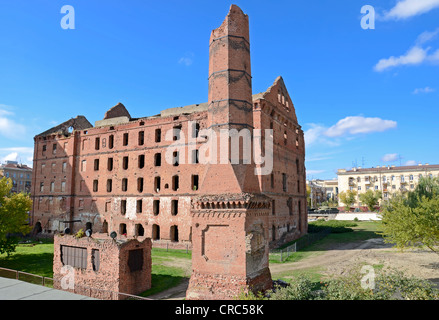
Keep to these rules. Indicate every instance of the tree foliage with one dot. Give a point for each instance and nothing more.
(14, 208)
(371, 198)
(388, 284)
(348, 198)
(412, 219)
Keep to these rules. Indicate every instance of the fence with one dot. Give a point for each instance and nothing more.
(305, 241)
(82, 290)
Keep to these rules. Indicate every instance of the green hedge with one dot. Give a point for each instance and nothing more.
(336, 226)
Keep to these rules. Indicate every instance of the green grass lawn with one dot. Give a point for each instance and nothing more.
(37, 259)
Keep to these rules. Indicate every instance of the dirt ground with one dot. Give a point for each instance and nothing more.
(339, 257)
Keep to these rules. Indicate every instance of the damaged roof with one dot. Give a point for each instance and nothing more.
(78, 123)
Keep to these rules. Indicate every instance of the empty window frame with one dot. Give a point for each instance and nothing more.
(125, 161)
(97, 143)
(176, 132)
(195, 182)
(124, 184)
(123, 207)
(140, 230)
(111, 142)
(155, 232)
(141, 138)
(158, 135)
(110, 164)
(123, 229)
(176, 158)
(196, 130)
(158, 159)
(109, 185)
(156, 207)
(140, 182)
(157, 184)
(139, 206)
(141, 161)
(195, 157)
(174, 233)
(175, 183)
(95, 185)
(174, 207)
(96, 165)
(284, 182)
(125, 139)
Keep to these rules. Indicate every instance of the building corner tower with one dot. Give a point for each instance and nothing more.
(230, 228)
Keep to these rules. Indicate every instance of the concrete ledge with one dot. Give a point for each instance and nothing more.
(11, 289)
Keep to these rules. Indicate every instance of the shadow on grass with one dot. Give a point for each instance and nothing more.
(39, 264)
(161, 283)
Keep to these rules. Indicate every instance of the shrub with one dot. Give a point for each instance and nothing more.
(336, 226)
(390, 284)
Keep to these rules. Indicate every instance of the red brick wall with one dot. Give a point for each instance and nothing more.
(113, 275)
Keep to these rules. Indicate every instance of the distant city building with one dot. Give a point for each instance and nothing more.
(20, 174)
(317, 193)
(330, 188)
(387, 179)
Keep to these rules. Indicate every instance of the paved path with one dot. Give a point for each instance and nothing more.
(11, 289)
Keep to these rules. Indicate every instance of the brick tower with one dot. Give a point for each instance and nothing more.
(230, 228)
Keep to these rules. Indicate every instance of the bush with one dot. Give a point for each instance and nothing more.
(390, 284)
(336, 226)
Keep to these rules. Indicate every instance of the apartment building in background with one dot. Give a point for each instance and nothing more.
(387, 179)
(20, 174)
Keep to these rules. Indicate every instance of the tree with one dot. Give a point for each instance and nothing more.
(348, 198)
(412, 219)
(371, 198)
(14, 208)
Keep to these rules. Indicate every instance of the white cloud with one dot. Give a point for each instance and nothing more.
(427, 36)
(390, 157)
(411, 163)
(187, 60)
(414, 56)
(346, 128)
(9, 128)
(434, 58)
(359, 125)
(11, 157)
(408, 8)
(21, 154)
(308, 172)
(423, 90)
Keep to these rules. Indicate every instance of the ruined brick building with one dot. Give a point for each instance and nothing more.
(114, 176)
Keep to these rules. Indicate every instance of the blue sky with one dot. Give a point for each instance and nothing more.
(365, 96)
